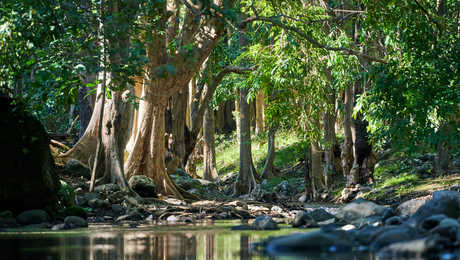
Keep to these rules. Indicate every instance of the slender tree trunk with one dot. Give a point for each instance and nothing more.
(347, 148)
(237, 114)
(329, 140)
(209, 147)
(269, 170)
(245, 182)
(230, 124)
(260, 118)
(316, 169)
(99, 137)
(84, 109)
(219, 118)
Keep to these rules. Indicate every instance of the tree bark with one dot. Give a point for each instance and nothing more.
(269, 170)
(209, 147)
(245, 182)
(260, 118)
(316, 169)
(177, 135)
(347, 148)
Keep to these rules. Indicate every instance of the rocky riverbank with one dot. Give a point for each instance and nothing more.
(426, 228)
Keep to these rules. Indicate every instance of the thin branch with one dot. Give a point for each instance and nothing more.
(428, 15)
(311, 40)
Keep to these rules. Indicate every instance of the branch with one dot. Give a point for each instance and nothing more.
(428, 15)
(204, 95)
(347, 51)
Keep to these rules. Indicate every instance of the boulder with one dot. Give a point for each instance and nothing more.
(30, 177)
(30, 217)
(321, 215)
(75, 222)
(392, 235)
(408, 208)
(99, 204)
(423, 248)
(76, 168)
(184, 180)
(443, 202)
(76, 211)
(304, 219)
(394, 221)
(314, 241)
(264, 222)
(360, 211)
(143, 185)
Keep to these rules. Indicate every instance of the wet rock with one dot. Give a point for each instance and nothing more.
(304, 219)
(360, 211)
(314, 241)
(415, 249)
(392, 235)
(143, 185)
(118, 209)
(394, 221)
(99, 204)
(388, 213)
(320, 215)
(264, 222)
(430, 222)
(368, 233)
(76, 168)
(132, 216)
(60, 226)
(107, 188)
(409, 207)
(443, 202)
(35, 216)
(75, 222)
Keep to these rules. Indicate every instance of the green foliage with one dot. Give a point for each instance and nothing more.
(415, 101)
(66, 195)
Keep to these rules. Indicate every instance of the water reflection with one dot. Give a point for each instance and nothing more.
(137, 244)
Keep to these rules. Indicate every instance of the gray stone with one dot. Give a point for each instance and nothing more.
(118, 209)
(99, 204)
(185, 181)
(264, 222)
(356, 211)
(76, 168)
(392, 235)
(414, 249)
(35, 216)
(443, 202)
(320, 215)
(304, 219)
(107, 188)
(314, 241)
(143, 185)
(75, 222)
(60, 226)
(394, 221)
(409, 207)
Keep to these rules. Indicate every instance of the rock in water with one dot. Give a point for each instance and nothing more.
(265, 223)
(35, 216)
(143, 185)
(75, 222)
(30, 179)
(304, 219)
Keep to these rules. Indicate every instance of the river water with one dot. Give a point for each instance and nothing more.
(154, 242)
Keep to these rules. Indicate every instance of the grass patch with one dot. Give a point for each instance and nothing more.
(289, 149)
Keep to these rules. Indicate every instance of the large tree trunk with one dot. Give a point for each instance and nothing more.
(177, 135)
(260, 118)
(209, 147)
(245, 182)
(148, 155)
(347, 148)
(269, 170)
